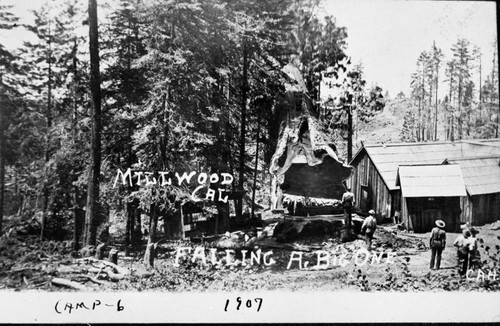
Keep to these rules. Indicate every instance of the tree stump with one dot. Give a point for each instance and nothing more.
(99, 253)
(113, 256)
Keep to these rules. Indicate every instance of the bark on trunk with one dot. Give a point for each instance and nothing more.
(2, 169)
(244, 88)
(149, 256)
(436, 108)
(95, 88)
(78, 219)
(349, 134)
(47, 143)
(256, 165)
(77, 211)
(129, 227)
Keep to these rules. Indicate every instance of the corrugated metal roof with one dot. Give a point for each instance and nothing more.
(481, 174)
(387, 158)
(431, 181)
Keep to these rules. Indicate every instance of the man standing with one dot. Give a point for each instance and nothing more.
(462, 245)
(474, 255)
(368, 227)
(437, 243)
(348, 203)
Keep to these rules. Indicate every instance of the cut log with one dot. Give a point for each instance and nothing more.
(118, 269)
(109, 272)
(68, 283)
(86, 278)
(271, 243)
(115, 277)
(290, 230)
(95, 280)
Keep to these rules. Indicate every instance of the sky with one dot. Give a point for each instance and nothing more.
(386, 36)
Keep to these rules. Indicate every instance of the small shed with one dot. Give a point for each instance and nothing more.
(482, 182)
(429, 193)
(376, 165)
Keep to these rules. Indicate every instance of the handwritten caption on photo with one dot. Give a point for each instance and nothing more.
(165, 179)
(323, 258)
(62, 307)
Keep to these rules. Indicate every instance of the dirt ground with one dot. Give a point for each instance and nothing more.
(26, 263)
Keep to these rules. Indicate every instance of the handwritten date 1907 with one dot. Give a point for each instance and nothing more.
(247, 304)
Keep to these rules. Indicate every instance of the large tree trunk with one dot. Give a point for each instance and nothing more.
(451, 136)
(436, 108)
(2, 163)
(129, 227)
(244, 89)
(480, 92)
(349, 134)
(95, 89)
(149, 255)
(254, 188)
(459, 118)
(3, 126)
(78, 219)
(494, 85)
(419, 126)
(78, 216)
(47, 144)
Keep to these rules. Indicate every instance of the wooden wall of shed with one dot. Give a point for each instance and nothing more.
(481, 209)
(419, 214)
(367, 179)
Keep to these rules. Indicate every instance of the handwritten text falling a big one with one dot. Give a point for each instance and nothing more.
(203, 179)
(324, 259)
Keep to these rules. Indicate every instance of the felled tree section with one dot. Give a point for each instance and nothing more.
(300, 135)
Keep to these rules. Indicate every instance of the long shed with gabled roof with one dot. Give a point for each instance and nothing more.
(376, 165)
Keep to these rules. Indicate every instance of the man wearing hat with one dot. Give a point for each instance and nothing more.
(462, 243)
(437, 243)
(368, 227)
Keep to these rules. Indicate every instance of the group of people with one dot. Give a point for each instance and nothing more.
(466, 244)
(369, 224)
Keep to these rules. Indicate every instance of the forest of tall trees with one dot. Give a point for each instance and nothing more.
(466, 107)
(179, 86)
(151, 145)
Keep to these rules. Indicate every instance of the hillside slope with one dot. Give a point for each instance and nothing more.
(384, 127)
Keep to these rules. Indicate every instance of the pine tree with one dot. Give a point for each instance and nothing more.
(92, 212)
(436, 57)
(462, 57)
(53, 85)
(7, 21)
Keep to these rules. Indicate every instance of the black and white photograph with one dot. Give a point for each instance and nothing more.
(249, 161)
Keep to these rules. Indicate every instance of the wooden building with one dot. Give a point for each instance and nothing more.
(482, 182)
(430, 193)
(376, 165)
